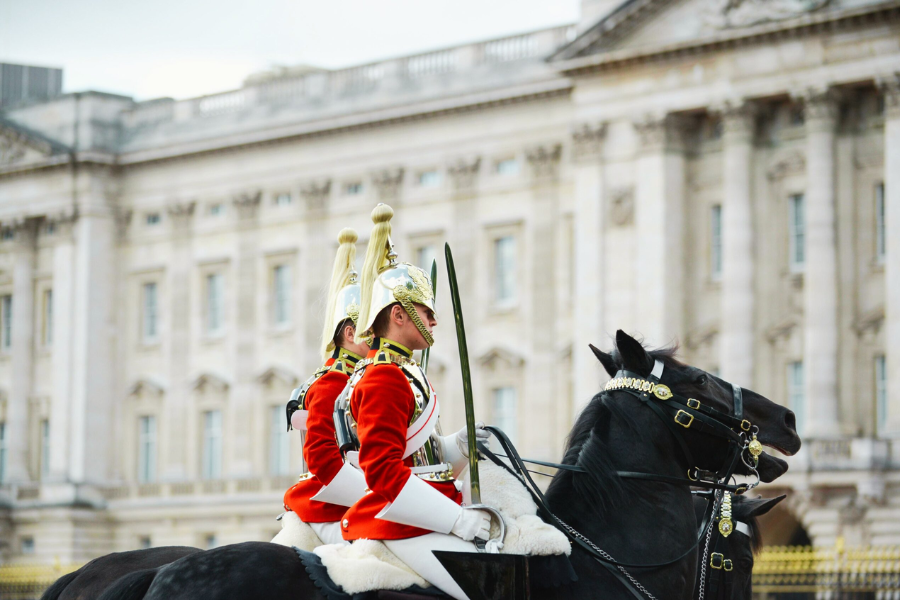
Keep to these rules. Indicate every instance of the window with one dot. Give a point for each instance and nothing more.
(3, 452)
(26, 544)
(216, 209)
(6, 322)
(283, 199)
(715, 267)
(150, 313)
(425, 255)
(153, 219)
(211, 541)
(796, 233)
(281, 294)
(144, 542)
(146, 471)
(215, 303)
(47, 318)
(881, 400)
(429, 178)
(353, 188)
(280, 457)
(507, 166)
(7, 234)
(504, 411)
(45, 448)
(211, 467)
(50, 228)
(880, 241)
(505, 270)
(796, 393)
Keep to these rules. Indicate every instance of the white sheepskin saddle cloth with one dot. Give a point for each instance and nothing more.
(295, 532)
(367, 565)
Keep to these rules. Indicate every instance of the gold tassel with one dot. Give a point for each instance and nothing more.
(376, 260)
(344, 264)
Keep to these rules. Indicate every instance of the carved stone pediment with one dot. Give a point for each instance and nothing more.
(723, 14)
(210, 382)
(500, 358)
(17, 146)
(278, 376)
(146, 387)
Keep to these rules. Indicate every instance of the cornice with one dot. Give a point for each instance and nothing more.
(805, 25)
(550, 88)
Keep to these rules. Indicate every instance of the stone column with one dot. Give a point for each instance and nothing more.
(22, 349)
(63, 301)
(177, 342)
(245, 389)
(891, 90)
(737, 301)
(318, 256)
(93, 343)
(541, 377)
(588, 229)
(659, 206)
(820, 297)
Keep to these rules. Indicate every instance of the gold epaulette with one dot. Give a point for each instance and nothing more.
(386, 358)
(340, 366)
(382, 358)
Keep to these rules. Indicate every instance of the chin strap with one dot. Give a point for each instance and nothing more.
(403, 297)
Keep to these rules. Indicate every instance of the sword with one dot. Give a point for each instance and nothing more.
(427, 351)
(474, 482)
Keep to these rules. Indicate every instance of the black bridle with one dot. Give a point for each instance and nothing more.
(652, 393)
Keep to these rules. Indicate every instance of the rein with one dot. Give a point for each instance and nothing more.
(708, 420)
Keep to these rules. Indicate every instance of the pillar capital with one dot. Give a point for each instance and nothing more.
(820, 107)
(890, 90)
(738, 119)
(587, 141)
(387, 183)
(247, 204)
(315, 194)
(463, 172)
(544, 160)
(181, 213)
(62, 223)
(661, 133)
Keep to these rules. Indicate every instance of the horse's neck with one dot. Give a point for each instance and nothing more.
(654, 524)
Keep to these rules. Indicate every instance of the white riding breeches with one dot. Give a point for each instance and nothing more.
(329, 533)
(416, 552)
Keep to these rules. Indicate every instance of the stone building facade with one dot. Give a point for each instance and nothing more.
(722, 174)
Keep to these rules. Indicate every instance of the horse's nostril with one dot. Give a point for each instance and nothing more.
(790, 420)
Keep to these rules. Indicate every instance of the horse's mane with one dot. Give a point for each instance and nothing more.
(600, 484)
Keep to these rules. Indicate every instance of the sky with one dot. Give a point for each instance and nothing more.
(185, 48)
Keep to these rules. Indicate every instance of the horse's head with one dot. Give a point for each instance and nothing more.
(740, 547)
(777, 427)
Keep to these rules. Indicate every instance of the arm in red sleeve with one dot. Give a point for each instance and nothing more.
(320, 450)
(384, 407)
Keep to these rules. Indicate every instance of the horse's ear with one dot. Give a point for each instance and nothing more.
(634, 357)
(757, 507)
(606, 360)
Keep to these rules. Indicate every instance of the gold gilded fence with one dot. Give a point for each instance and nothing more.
(783, 570)
(27, 582)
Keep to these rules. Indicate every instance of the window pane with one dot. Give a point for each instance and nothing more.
(796, 393)
(429, 178)
(505, 411)
(509, 166)
(716, 242)
(147, 449)
(283, 199)
(2, 452)
(797, 228)
(6, 309)
(505, 269)
(282, 294)
(881, 403)
(280, 457)
(149, 311)
(212, 444)
(425, 255)
(214, 302)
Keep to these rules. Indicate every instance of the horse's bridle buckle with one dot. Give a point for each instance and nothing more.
(727, 564)
(745, 425)
(680, 418)
(717, 560)
(692, 403)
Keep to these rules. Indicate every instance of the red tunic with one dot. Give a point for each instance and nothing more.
(320, 451)
(383, 405)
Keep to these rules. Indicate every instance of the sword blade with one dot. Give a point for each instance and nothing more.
(474, 481)
(426, 353)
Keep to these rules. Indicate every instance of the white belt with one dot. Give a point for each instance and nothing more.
(430, 469)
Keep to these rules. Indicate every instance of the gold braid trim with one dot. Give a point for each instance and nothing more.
(404, 297)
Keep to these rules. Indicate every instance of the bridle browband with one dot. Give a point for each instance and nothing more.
(662, 401)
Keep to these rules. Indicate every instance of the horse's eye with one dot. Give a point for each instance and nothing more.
(701, 380)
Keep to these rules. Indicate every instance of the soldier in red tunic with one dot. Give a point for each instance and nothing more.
(331, 485)
(414, 502)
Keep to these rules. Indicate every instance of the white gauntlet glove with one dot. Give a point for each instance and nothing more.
(472, 523)
(462, 438)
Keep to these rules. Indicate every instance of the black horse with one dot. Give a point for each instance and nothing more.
(733, 580)
(637, 522)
